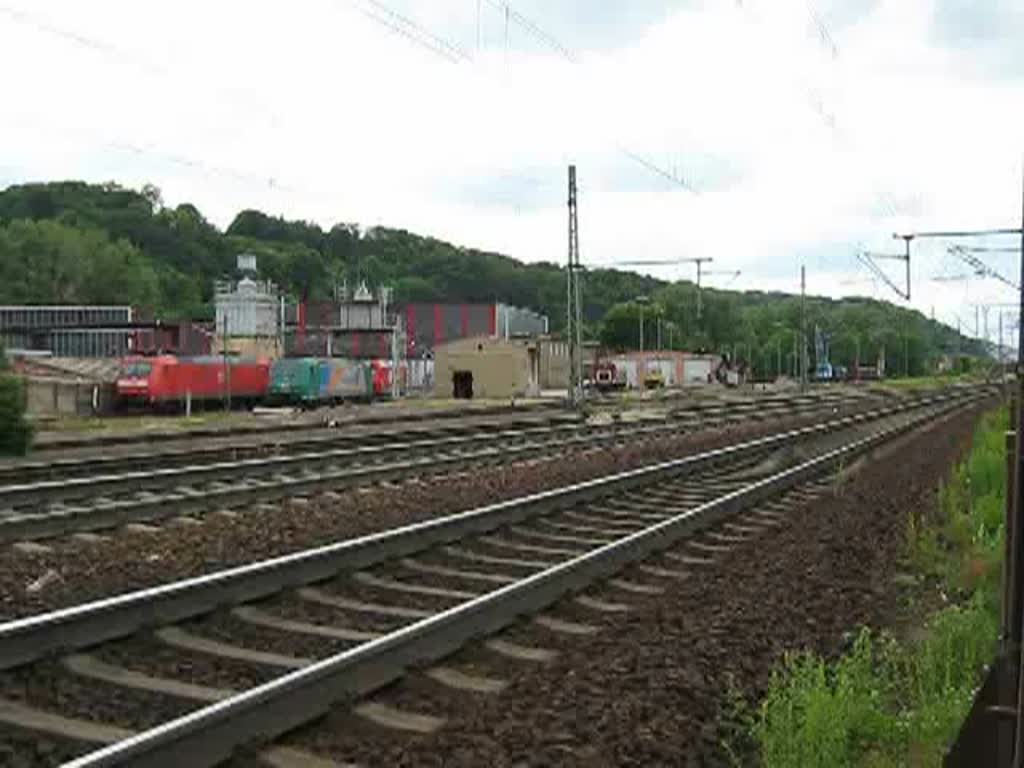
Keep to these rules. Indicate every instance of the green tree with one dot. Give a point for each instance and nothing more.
(48, 262)
(66, 242)
(15, 431)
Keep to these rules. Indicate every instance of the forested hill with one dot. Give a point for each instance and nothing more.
(66, 242)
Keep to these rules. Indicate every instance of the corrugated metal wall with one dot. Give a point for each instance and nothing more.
(88, 343)
(62, 316)
(520, 322)
(430, 325)
(358, 346)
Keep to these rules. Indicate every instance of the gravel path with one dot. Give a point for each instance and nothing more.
(74, 571)
(646, 690)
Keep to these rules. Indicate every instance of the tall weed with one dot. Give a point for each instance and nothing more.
(885, 703)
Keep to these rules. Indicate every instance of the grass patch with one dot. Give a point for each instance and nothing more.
(925, 382)
(144, 422)
(894, 703)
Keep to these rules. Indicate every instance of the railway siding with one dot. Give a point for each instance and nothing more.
(605, 549)
(113, 500)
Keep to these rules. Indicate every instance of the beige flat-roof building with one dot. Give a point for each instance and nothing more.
(486, 367)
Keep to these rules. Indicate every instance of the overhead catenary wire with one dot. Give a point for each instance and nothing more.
(533, 29)
(868, 260)
(817, 103)
(555, 45)
(412, 30)
(44, 25)
(823, 31)
(981, 268)
(245, 177)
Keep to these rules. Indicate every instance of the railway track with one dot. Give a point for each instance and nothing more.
(58, 443)
(181, 453)
(51, 508)
(185, 673)
(308, 439)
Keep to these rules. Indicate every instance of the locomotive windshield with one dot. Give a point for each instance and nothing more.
(136, 370)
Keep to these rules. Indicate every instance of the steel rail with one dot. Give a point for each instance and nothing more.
(26, 639)
(62, 442)
(106, 514)
(21, 472)
(211, 734)
(69, 489)
(112, 513)
(83, 487)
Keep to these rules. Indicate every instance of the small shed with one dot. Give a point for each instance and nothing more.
(485, 367)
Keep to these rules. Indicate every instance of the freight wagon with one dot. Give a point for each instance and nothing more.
(166, 380)
(310, 381)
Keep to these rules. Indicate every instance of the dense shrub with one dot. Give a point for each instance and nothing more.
(15, 431)
(887, 703)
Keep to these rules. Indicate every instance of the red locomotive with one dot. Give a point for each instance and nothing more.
(382, 377)
(609, 377)
(167, 379)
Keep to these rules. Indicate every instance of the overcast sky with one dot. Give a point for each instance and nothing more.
(797, 132)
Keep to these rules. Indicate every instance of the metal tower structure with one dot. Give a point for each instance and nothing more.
(574, 311)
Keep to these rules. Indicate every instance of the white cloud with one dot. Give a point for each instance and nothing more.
(316, 111)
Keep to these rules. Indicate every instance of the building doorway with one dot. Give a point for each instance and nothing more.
(462, 385)
(533, 384)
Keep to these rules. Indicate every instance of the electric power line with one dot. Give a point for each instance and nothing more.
(95, 45)
(980, 268)
(565, 52)
(245, 177)
(534, 29)
(412, 30)
(43, 24)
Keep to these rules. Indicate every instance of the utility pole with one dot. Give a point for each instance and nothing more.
(506, 41)
(642, 365)
(803, 327)
(641, 332)
(699, 262)
(227, 365)
(574, 319)
(1017, 536)
(907, 259)
(1002, 367)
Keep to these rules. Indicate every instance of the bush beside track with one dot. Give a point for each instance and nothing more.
(888, 702)
(668, 659)
(15, 431)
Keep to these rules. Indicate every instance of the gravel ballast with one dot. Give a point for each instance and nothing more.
(74, 571)
(647, 689)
